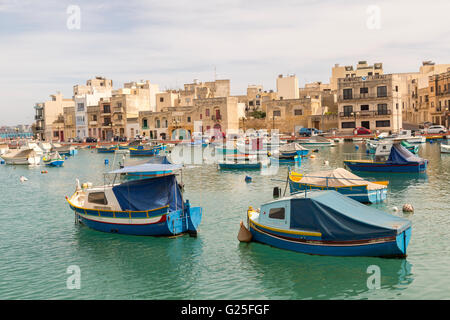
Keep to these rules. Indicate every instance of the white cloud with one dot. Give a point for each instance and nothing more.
(173, 42)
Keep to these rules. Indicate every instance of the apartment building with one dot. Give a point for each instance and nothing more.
(287, 87)
(48, 117)
(439, 85)
(363, 69)
(69, 123)
(88, 95)
(373, 102)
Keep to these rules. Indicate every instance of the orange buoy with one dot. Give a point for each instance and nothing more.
(44, 171)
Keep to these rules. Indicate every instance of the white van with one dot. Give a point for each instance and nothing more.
(436, 129)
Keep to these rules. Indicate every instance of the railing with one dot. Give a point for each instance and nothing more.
(364, 96)
(365, 114)
(39, 117)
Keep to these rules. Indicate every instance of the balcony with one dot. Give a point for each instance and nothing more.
(39, 117)
(363, 114)
(118, 110)
(93, 123)
(364, 96)
(107, 124)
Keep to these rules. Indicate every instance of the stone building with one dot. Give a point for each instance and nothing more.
(48, 116)
(287, 87)
(362, 69)
(373, 102)
(439, 85)
(70, 128)
(288, 115)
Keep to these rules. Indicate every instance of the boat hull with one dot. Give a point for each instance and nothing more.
(244, 166)
(143, 152)
(158, 222)
(386, 167)
(54, 163)
(382, 247)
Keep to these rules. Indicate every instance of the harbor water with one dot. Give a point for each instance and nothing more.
(39, 239)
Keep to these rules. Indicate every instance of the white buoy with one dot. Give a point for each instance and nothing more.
(395, 209)
(408, 208)
(22, 179)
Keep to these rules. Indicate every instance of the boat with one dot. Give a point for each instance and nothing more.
(342, 181)
(372, 146)
(328, 223)
(53, 159)
(107, 149)
(445, 148)
(141, 151)
(146, 207)
(45, 146)
(242, 161)
(64, 150)
(290, 150)
(316, 141)
(21, 156)
(157, 166)
(399, 160)
(32, 145)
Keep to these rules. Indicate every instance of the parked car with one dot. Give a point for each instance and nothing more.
(91, 139)
(361, 130)
(78, 140)
(308, 132)
(120, 139)
(436, 129)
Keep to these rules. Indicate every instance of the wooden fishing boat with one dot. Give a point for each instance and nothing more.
(107, 149)
(316, 141)
(144, 151)
(148, 207)
(53, 159)
(329, 223)
(290, 150)
(400, 160)
(242, 162)
(342, 181)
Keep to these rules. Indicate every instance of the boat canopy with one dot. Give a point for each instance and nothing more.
(147, 167)
(337, 217)
(334, 178)
(149, 194)
(400, 155)
(159, 160)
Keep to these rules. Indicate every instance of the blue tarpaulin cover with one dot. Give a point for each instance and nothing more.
(400, 155)
(148, 194)
(340, 218)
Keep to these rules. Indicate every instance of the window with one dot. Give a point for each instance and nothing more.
(98, 198)
(250, 103)
(277, 213)
(432, 89)
(56, 134)
(106, 108)
(396, 88)
(348, 93)
(364, 107)
(346, 125)
(161, 99)
(144, 123)
(94, 117)
(382, 109)
(348, 110)
(383, 123)
(80, 107)
(119, 104)
(370, 73)
(188, 119)
(381, 91)
(158, 123)
(217, 114)
(363, 90)
(258, 103)
(298, 112)
(207, 112)
(276, 113)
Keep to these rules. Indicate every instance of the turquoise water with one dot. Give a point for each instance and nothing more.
(39, 240)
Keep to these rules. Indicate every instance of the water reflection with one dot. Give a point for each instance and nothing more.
(291, 275)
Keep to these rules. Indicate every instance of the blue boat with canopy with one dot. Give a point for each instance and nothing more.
(399, 160)
(148, 207)
(328, 223)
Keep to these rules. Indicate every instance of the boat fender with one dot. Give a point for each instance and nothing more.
(248, 179)
(356, 147)
(408, 208)
(395, 209)
(106, 162)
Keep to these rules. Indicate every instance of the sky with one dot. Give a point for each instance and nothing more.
(46, 47)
